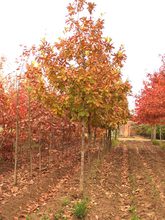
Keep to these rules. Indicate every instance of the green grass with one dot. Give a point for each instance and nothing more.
(132, 209)
(162, 145)
(45, 217)
(156, 142)
(159, 143)
(65, 201)
(27, 217)
(134, 216)
(115, 142)
(80, 209)
(59, 215)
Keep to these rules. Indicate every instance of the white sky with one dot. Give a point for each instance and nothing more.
(138, 24)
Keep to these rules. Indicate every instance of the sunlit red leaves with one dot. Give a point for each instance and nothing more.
(91, 7)
(150, 104)
(76, 77)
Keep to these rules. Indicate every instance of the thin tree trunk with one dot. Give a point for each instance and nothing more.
(40, 153)
(89, 134)
(160, 133)
(89, 141)
(50, 147)
(116, 134)
(151, 132)
(29, 131)
(154, 132)
(82, 157)
(105, 140)
(109, 138)
(94, 138)
(16, 139)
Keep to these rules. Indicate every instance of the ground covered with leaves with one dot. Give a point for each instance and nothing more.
(126, 183)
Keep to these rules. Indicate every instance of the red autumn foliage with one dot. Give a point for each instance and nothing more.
(150, 104)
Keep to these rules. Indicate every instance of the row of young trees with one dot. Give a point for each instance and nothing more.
(29, 129)
(77, 78)
(150, 104)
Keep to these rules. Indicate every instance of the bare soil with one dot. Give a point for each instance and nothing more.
(127, 183)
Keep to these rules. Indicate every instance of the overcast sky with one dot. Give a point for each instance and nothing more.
(137, 24)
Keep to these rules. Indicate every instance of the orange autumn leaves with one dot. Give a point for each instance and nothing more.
(83, 70)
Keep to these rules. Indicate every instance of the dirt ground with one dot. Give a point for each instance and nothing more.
(127, 183)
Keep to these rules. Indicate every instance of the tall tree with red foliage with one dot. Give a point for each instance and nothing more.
(150, 104)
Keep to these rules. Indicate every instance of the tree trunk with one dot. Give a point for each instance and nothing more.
(40, 154)
(16, 139)
(154, 132)
(89, 133)
(50, 147)
(109, 138)
(89, 141)
(116, 134)
(94, 138)
(160, 132)
(105, 140)
(82, 157)
(29, 132)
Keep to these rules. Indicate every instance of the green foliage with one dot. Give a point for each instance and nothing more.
(135, 217)
(132, 209)
(58, 215)
(159, 143)
(80, 209)
(27, 217)
(162, 144)
(143, 130)
(155, 142)
(65, 201)
(45, 217)
(115, 142)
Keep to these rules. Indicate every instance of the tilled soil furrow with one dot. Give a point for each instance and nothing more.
(157, 153)
(106, 191)
(125, 186)
(128, 183)
(156, 168)
(37, 193)
(154, 178)
(144, 197)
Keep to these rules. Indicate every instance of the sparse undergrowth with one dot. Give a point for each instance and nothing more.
(80, 208)
(156, 142)
(133, 211)
(159, 143)
(115, 142)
